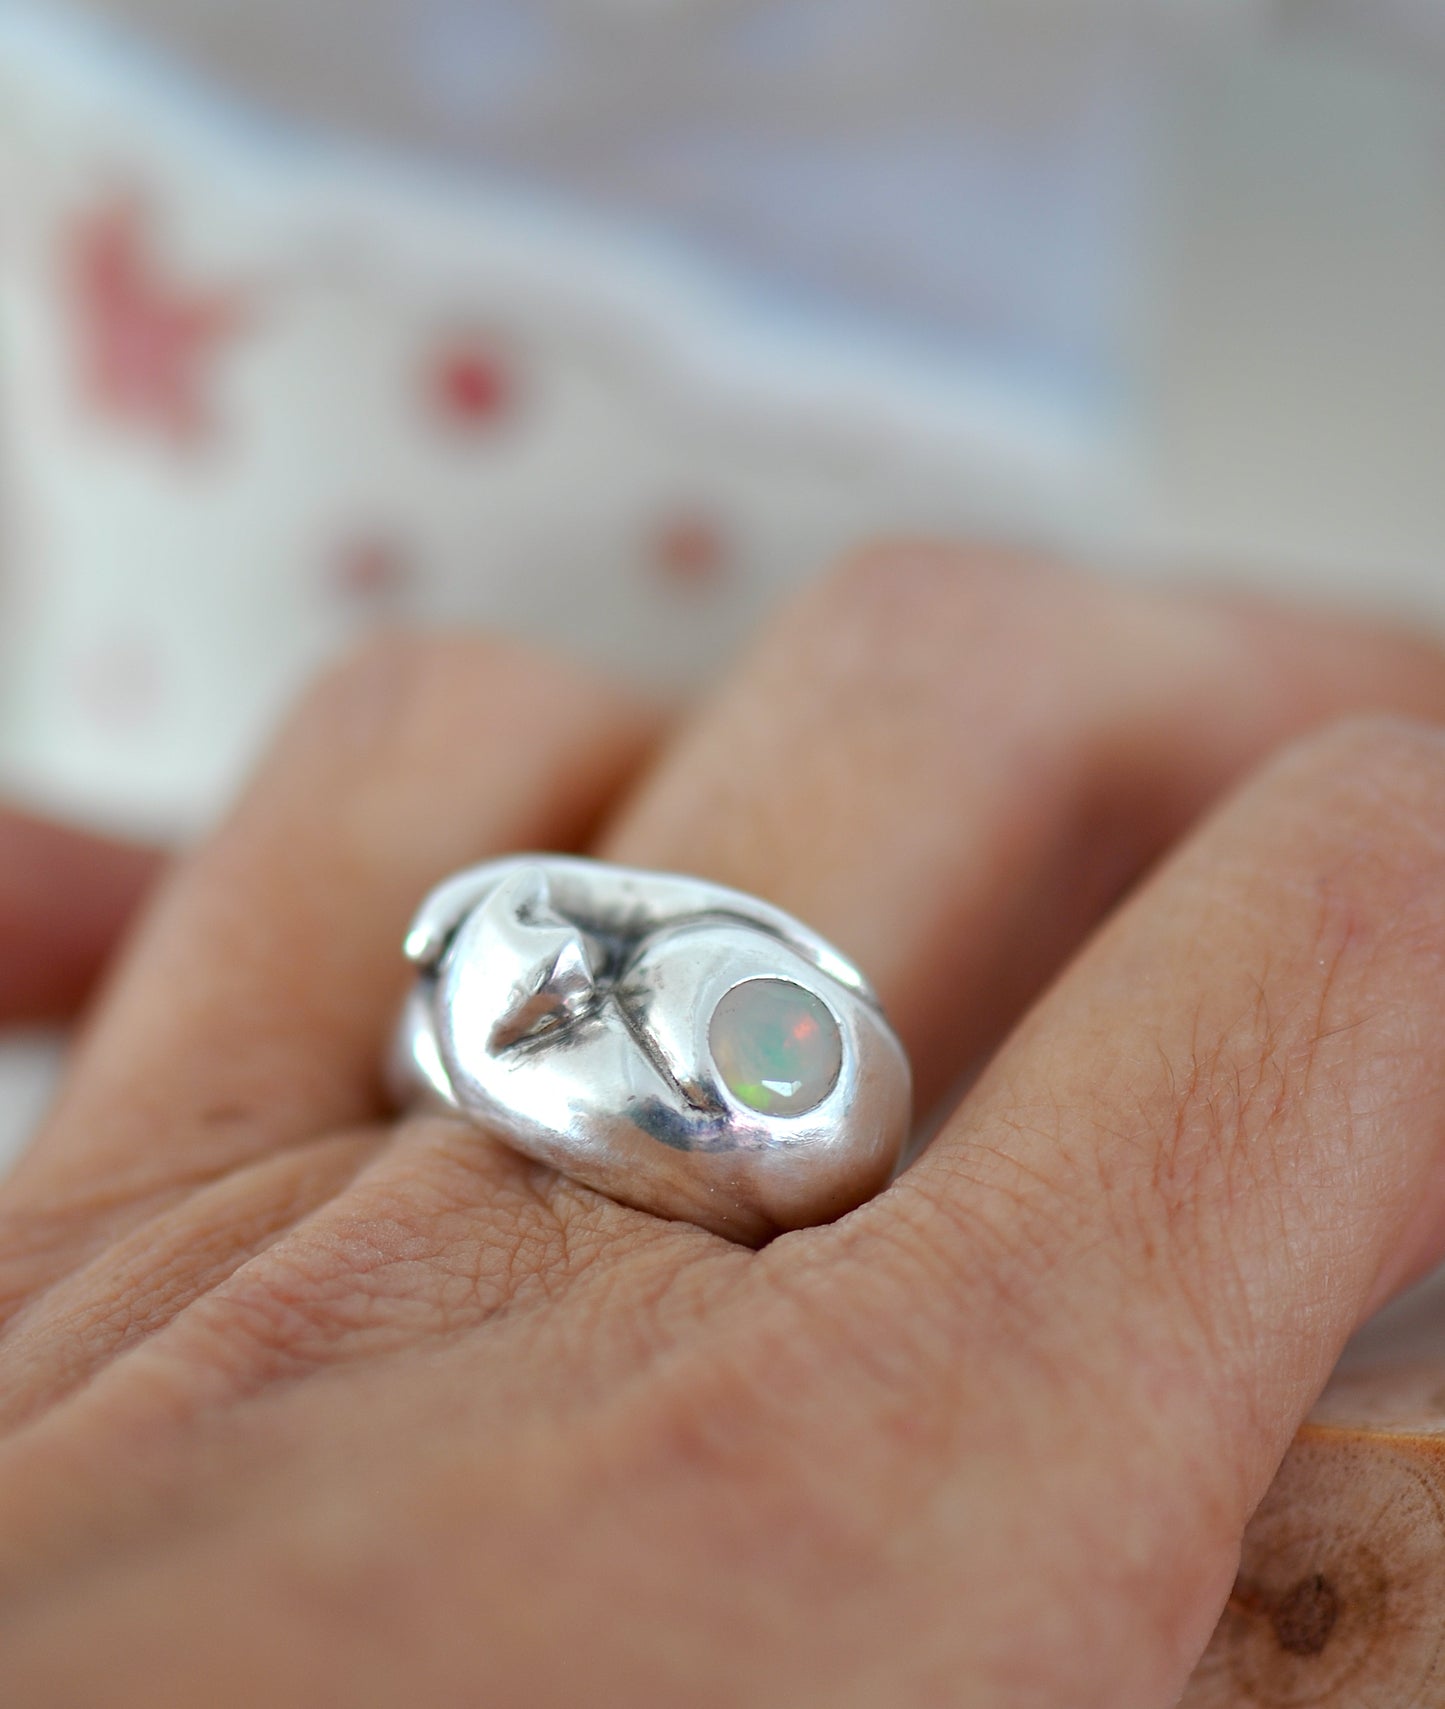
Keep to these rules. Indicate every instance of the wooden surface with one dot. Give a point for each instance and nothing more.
(1340, 1601)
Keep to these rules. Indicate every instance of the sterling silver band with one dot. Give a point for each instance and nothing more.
(679, 1046)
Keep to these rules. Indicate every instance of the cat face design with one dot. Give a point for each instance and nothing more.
(662, 1025)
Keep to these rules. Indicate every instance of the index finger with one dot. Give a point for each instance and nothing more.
(252, 1013)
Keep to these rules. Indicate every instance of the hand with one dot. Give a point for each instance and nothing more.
(305, 1406)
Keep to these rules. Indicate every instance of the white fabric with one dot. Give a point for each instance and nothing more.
(677, 442)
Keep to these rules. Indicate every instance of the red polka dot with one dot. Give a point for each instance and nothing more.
(472, 387)
(372, 572)
(147, 344)
(690, 551)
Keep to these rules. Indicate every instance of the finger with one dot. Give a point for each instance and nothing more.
(939, 869)
(890, 702)
(951, 765)
(148, 1274)
(66, 898)
(1214, 1146)
(254, 1011)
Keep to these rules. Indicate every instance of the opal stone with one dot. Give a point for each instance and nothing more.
(776, 1046)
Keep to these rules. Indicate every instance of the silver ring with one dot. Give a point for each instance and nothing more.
(681, 1047)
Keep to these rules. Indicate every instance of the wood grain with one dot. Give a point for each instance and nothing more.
(1340, 1600)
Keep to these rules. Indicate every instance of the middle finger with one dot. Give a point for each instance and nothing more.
(952, 765)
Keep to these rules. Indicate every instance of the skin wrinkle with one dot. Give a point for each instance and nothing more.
(1233, 1126)
(559, 1231)
(1222, 1120)
(202, 903)
(984, 1248)
(269, 1316)
(376, 1283)
(1243, 1082)
(1241, 1107)
(86, 1230)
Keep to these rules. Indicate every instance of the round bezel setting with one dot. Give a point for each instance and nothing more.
(776, 1045)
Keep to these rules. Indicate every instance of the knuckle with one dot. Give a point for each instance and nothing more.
(391, 722)
(400, 674)
(1378, 744)
(895, 581)
(1379, 757)
(930, 624)
(385, 663)
(886, 571)
(1371, 792)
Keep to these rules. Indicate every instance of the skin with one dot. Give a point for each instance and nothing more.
(303, 1405)
(65, 898)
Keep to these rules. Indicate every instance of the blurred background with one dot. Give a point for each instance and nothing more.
(606, 321)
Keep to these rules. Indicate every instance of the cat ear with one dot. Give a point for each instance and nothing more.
(556, 981)
(443, 911)
(522, 885)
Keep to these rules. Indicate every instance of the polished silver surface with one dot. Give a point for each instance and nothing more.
(568, 1007)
